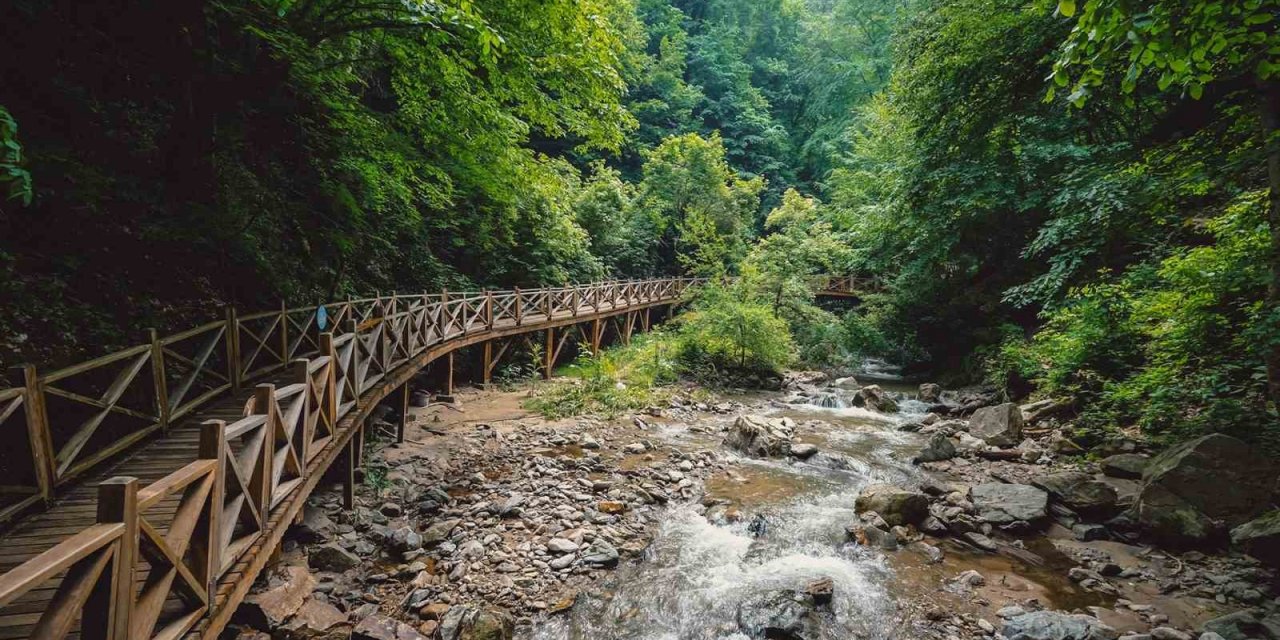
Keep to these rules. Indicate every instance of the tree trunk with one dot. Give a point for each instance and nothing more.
(1270, 124)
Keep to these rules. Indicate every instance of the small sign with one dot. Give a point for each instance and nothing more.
(322, 317)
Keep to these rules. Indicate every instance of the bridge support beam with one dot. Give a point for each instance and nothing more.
(346, 467)
(402, 423)
(448, 379)
(549, 354)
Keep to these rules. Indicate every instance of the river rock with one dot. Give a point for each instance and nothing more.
(473, 623)
(760, 436)
(316, 620)
(269, 609)
(1000, 503)
(869, 535)
(803, 450)
(821, 591)
(1222, 477)
(1165, 516)
(930, 392)
(331, 557)
(874, 398)
(896, 505)
(600, 553)
(782, 614)
(439, 532)
(1079, 491)
(939, 448)
(1125, 465)
(999, 426)
(1052, 625)
(1260, 537)
(1240, 625)
(380, 627)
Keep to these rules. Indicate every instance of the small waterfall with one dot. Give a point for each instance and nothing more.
(830, 401)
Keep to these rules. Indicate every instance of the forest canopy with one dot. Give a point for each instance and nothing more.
(1056, 198)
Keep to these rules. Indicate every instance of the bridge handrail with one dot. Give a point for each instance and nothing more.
(79, 416)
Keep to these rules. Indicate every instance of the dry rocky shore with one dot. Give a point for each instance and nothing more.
(488, 519)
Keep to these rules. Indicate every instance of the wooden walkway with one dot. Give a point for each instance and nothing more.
(159, 479)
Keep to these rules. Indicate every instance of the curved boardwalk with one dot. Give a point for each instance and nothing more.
(148, 488)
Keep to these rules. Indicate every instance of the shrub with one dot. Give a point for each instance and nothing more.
(727, 333)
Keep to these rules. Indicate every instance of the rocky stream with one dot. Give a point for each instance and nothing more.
(857, 507)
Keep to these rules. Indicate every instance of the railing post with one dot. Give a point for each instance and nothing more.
(161, 384)
(519, 307)
(264, 402)
(284, 335)
(488, 309)
(40, 440)
(547, 307)
(330, 406)
(302, 374)
(118, 503)
(576, 298)
(233, 347)
(207, 545)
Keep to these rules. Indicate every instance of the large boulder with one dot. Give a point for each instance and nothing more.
(930, 392)
(331, 557)
(380, 627)
(999, 426)
(1051, 625)
(269, 609)
(761, 437)
(1240, 625)
(1079, 491)
(1000, 503)
(876, 399)
(896, 505)
(1260, 537)
(316, 620)
(1222, 477)
(1125, 465)
(1165, 516)
(939, 448)
(782, 614)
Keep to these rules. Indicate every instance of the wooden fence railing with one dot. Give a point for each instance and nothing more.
(184, 531)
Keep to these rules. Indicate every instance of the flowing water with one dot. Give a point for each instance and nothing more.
(698, 570)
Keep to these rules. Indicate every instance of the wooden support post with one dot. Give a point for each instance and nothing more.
(118, 503)
(448, 384)
(232, 336)
(38, 436)
(488, 362)
(159, 383)
(646, 324)
(284, 335)
(597, 332)
(627, 326)
(206, 545)
(264, 402)
(347, 468)
(404, 413)
(330, 406)
(549, 356)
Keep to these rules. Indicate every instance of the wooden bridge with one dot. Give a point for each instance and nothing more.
(144, 491)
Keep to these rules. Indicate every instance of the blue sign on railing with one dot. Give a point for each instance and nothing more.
(322, 317)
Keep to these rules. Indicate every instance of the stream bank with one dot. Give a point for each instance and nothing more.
(493, 523)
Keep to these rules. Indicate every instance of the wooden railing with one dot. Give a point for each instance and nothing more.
(74, 418)
(186, 530)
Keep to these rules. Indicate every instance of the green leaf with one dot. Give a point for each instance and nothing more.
(1067, 7)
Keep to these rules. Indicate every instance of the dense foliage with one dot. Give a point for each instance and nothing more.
(1061, 197)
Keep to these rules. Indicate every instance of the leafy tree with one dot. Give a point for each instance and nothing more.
(13, 177)
(1187, 46)
(727, 332)
(697, 209)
